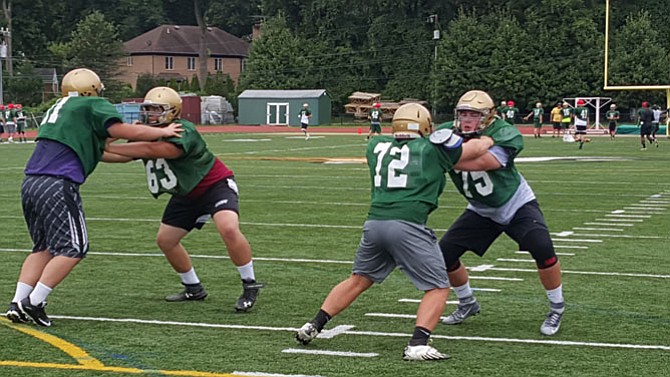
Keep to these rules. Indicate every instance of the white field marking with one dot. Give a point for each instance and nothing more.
(663, 202)
(564, 233)
(244, 140)
(493, 278)
(335, 331)
(302, 137)
(643, 205)
(627, 215)
(621, 220)
(515, 260)
(569, 240)
(618, 211)
(570, 247)
(653, 211)
(416, 301)
(599, 229)
(480, 268)
(484, 289)
(527, 253)
(526, 341)
(588, 273)
(608, 224)
(259, 374)
(617, 236)
(368, 333)
(330, 353)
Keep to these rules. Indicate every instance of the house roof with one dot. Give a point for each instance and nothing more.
(300, 93)
(185, 40)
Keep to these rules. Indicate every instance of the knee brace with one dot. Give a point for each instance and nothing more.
(538, 243)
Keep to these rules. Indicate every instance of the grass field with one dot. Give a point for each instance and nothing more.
(607, 207)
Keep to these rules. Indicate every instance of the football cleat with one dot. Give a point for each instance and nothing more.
(462, 313)
(552, 323)
(423, 353)
(191, 292)
(306, 333)
(249, 294)
(35, 312)
(15, 314)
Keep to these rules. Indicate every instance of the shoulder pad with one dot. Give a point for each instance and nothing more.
(446, 137)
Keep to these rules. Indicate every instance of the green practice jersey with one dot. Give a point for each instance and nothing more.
(537, 113)
(375, 115)
(80, 123)
(407, 177)
(510, 114)
(566, 113)
(495, 187)
(581, 113)
(180, 175)
(612, 115)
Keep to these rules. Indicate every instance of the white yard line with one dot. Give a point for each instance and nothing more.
(599, 229)
(329, 353)
(560, 254)
(608, 224)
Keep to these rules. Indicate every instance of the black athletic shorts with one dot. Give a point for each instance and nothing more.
(476, 233)
(187, 213)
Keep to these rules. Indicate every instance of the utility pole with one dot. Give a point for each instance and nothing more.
(4, 33)
(436, 38)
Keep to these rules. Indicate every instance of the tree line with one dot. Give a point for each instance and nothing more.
(525, 50)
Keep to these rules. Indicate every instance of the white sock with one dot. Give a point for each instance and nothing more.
(556, 297)
(247, 271)
(39, 294)
(464, 293)
(189, 277)
(22, 291)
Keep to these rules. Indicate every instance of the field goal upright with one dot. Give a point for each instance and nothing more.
(630, 87)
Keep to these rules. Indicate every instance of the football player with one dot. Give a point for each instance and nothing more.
(612, 116)
(499, 200)
(581, 116)
(407, 176)
(510, 112)
(645, 118)
(70, 144)
(375, 117)
(538, 114)
(201, 187)
(304, 114)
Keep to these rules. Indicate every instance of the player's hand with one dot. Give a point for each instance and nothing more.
(487, 140)
(173, 130)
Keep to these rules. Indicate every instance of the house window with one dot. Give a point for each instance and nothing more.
(190, 63)
(218, 64)
(129, 61)
(243, 65)
(169, 62)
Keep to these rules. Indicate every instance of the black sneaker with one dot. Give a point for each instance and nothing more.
(15, 314)
(249, 295)
(191, 292)
(35, 312)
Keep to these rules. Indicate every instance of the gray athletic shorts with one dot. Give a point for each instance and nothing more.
(11, 127)
(53, 211)
(411, 247)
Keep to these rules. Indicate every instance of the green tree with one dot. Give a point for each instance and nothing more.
(276, 60)
(639, 55)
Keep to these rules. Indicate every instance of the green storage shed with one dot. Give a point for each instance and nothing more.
(281, 107)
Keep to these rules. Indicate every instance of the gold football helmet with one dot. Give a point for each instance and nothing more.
(161, 106)
(411, 120)
(82, 81)
(478, 101)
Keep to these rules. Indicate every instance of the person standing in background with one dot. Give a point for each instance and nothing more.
(304, 114)
(612, 116)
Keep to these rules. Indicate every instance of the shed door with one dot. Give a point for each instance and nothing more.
(277, 113)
